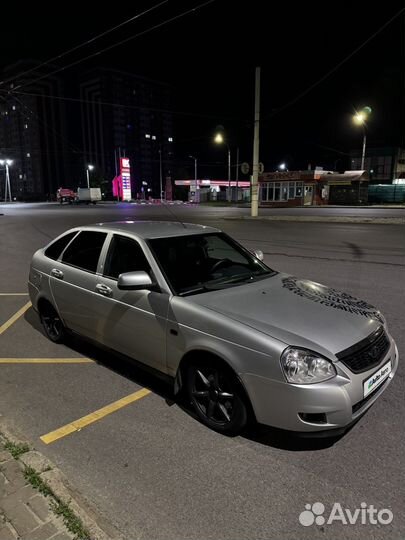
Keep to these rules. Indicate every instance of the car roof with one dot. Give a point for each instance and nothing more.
(153, 229)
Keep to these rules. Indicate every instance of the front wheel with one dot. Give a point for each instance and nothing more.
(217, 397)
(52, 324)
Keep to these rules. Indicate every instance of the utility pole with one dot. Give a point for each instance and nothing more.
(237, 173)
(254, 205)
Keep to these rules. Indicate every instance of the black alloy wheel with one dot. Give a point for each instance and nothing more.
(217, 397)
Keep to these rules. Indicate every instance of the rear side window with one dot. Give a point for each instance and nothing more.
(84, 252)
(124, 255)
(55, 249)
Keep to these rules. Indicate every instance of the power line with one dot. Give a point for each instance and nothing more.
(69, 51)
(111, 104)
(335, 68)
(101, 51)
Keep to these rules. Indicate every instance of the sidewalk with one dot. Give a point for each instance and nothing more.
(37, 502)
(25, 513)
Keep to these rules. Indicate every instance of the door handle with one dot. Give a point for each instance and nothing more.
(104, 289)
(57, 273)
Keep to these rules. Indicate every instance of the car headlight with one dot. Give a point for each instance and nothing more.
(305, 367)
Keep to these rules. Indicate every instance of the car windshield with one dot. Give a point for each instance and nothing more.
(205, 262)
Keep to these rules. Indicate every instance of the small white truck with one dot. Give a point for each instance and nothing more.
(88, 195)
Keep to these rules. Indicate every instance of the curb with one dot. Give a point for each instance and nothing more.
(322, 219)
(98, 527)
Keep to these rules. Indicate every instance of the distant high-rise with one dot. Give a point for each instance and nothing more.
(33, 132)
(127, 115)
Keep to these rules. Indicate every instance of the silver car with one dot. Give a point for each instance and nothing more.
(240, 339)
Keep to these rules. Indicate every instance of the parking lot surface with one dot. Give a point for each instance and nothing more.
(144, 460)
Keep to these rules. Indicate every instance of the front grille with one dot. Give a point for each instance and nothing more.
(367, 353)
(357, 406)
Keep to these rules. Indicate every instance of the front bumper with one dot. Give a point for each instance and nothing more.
(339, 401)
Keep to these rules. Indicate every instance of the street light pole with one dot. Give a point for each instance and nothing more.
(161, 173)
(360, 119)
(219, 139)
(363, 155)
(7, 190)
(195, 168)
(229, 175)
(237, 172)
(88, 168)
(8, 180)
(254, 208)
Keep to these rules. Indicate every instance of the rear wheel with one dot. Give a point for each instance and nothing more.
(52, 323)
(217, 396)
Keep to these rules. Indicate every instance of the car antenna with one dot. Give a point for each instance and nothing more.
(172, 213)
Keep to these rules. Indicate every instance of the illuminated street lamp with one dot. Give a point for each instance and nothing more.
(360, 119)
(7, 190)
(219, 139)
(89, 168)
(282, 167)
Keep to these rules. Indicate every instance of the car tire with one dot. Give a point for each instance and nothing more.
(52, 324)
(217, 396)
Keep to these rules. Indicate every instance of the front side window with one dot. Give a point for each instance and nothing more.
(124, 255)
(55, 249)
(84, 252)
(205, 262)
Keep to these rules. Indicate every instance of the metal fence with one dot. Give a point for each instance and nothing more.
(390, 193)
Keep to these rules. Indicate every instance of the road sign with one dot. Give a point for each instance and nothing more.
(245, 168)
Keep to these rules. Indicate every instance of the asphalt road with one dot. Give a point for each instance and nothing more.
(150, 467)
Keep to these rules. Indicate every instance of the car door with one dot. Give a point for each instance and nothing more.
(73, 281)
(131, 322)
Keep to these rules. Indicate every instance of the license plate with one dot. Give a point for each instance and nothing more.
(376, 379)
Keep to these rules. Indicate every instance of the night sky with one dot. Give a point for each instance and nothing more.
(209, 58)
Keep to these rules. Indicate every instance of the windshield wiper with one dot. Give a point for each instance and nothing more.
(196, 290)
(220, 283)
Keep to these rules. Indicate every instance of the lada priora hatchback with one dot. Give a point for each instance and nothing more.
(242, 340)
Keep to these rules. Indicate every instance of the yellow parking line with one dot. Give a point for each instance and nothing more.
(13, 294)
(93, 417)
(46, 361)
(15, 317)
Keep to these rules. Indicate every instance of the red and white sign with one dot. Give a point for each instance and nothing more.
(207, 183)
(125, 169)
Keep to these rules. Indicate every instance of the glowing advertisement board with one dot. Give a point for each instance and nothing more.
(125, 169)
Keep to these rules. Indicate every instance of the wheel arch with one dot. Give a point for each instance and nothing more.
(201, 355)
(43, 302)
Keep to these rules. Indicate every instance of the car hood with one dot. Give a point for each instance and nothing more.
(296, 311)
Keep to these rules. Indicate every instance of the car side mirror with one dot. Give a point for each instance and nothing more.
(134, 281)
(258, 253)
